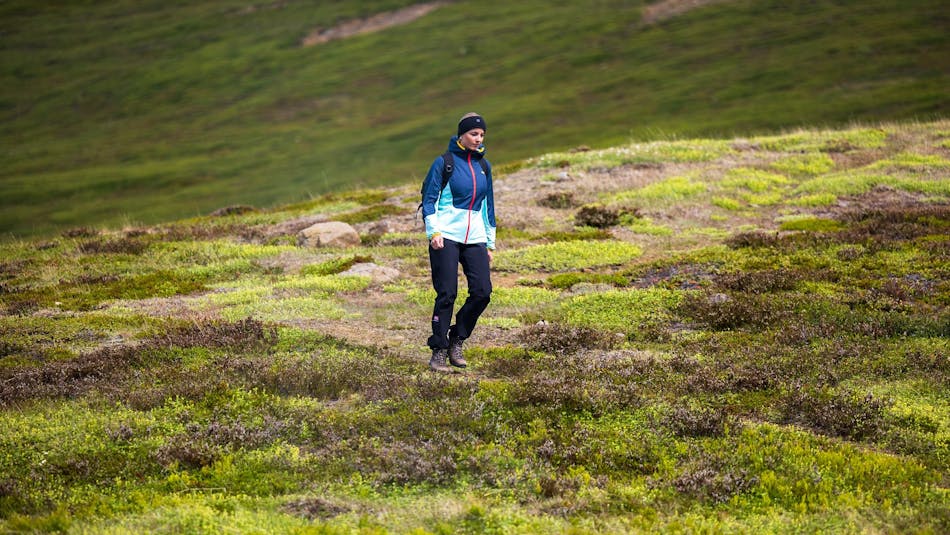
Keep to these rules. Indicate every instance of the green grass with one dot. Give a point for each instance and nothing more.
(149, 111)
(804, 165)
(567, 255)
(670, 190)
(622, 311)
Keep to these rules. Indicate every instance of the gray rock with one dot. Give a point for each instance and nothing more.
(329, 234)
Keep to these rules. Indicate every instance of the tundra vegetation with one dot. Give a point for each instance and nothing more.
(746, 335)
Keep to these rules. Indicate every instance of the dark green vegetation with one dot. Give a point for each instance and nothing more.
(130, 112)
(698, 369)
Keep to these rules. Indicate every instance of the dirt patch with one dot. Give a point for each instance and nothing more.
(667, 9)
(375, 23)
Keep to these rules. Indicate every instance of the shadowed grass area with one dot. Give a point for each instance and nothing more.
(139, 112)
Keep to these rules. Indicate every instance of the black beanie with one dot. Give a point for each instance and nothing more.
(470, 123)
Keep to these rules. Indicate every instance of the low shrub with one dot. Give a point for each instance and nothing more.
(80, 232)
(711, 480)
(587, 381)
(561, 200)
(125, 245)
(842, 414)
(733, 311)
(317, 508)
(179, 452)
(110, 369)
(758, 282)
(688, 421)
(244, 335)
(754, 239)
(597, 216)
(559, 339)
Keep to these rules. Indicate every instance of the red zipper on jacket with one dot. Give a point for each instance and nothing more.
(471, 204)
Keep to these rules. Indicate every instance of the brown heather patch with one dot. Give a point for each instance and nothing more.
(561, 200)
(317, 508)
(243, 231)
(736, 310)
(124, 245)
(558, 339)
(758, 282)
(69, 378)
(80, 232)
(94, 278)
(201, 444)
(894, 223)
(597, 216)
(842, 414)
(13, 268)
(876, 220)
(686, 421)
(753, 239)
(710, 478)
(244, 335)
(109, 369)
(236, 209)
(592, 381)
(409, 461)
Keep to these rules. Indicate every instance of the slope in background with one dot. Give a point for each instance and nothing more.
(149, 111)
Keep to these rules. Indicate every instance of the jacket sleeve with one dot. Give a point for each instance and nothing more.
(489, 213)
(430, 196)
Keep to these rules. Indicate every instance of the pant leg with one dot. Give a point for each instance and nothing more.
(444, 263)
(474, 260)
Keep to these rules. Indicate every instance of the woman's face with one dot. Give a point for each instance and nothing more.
(472, 139)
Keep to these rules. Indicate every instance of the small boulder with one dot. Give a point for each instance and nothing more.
(328, 234)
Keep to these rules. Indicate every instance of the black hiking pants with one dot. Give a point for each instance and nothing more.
(445, 262)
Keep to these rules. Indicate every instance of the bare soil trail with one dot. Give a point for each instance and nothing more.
(375, 23)
(667, 9)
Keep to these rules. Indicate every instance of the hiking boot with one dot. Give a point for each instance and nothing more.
(437, 362)
(455, 352)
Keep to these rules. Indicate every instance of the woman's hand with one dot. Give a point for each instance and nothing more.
(437, 242)
(491, 255)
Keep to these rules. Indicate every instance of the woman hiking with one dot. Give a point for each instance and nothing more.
(459, 212)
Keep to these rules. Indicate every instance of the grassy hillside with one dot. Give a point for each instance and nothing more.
(706, 335)
(144, 111)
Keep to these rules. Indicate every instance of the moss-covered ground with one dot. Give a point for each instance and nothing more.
(719, 336)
